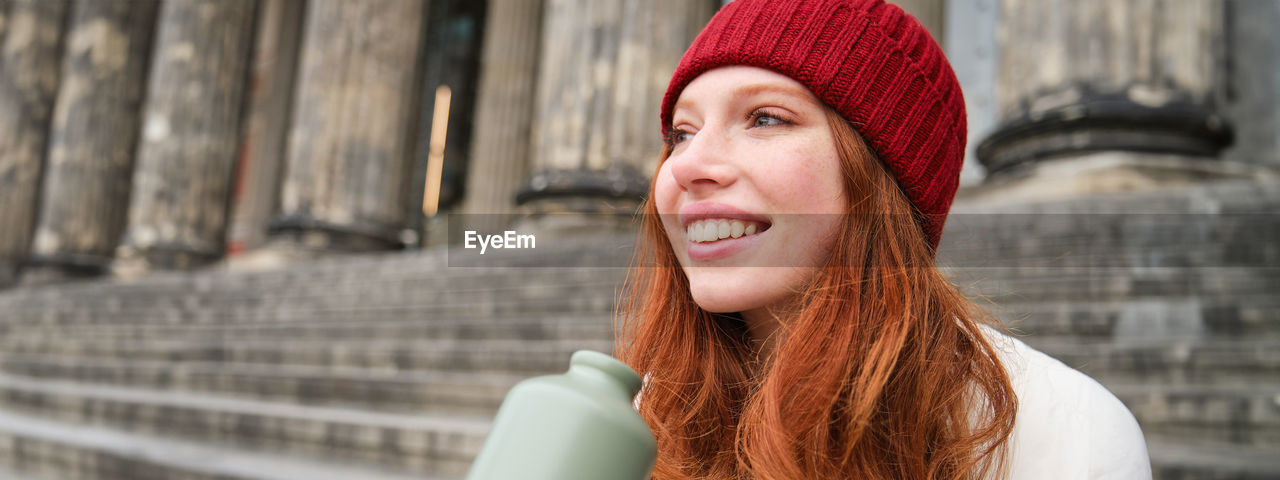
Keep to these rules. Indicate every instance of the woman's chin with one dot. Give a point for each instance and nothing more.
(738, 289)
(727, 294)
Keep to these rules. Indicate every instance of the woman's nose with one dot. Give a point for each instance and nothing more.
(704, 163)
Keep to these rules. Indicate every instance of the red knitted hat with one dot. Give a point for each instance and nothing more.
(868, 60)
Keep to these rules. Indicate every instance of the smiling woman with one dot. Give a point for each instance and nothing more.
(752, 146)
(785, 309)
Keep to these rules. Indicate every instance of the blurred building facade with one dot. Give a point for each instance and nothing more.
(346, 126)
(152, 136)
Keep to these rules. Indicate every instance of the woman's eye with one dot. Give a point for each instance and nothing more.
(678, 136)
(763, 118)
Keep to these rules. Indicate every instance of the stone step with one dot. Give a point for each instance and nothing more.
(1030, 282)
(592, 254)
(1228, 316)
(575, 302)
(1225, 196)
(521, 357)
(46, 450)
(1170, 362)
(178, 295)
(1086, 251)
(1247, 415)
(11, 474)
(1143, 287)
(334, 325)
(1005, 285)
(383, 390)
(192, 304)
(1256, 314)
(418, 443)
(1182, 459)
(395, 288)
(192, 288)
(1253, 315)
(331, 269)
(1018, 285)
(1136, 240)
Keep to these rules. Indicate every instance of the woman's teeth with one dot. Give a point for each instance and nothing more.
(712, 230)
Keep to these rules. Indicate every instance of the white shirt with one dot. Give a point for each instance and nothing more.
(1068, 425)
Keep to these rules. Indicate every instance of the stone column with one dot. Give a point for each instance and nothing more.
(274, 69)
(504, 111)
(191, 135)
(973, 51)
(4, 18)
(604, 67)
(30, 61)
(1083, 76)
(1253, 95)
(94, 134)
(351, 139)
(931, 13)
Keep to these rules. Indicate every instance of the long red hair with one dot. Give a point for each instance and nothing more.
(882, 372)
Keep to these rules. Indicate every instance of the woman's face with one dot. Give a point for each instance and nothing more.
(752, 194)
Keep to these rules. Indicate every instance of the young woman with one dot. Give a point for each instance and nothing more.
(785, 310)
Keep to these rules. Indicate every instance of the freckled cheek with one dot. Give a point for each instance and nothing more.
(802, 189)
(665, 195)
(822, 178)
(665, 191)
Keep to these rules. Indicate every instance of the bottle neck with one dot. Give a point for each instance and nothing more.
(605, 372)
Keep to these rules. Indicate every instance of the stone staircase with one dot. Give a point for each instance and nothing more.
(371, 367)
(391, 366)
(1171, 300)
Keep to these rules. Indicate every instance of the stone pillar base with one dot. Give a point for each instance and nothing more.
(49, 275)
(63, 267)
(1088, 121)
(617, 182)
(275, 254)
(8, 274)
(560, 203)
(576, 223)
(132, 262)
(298, 238)
(320, 235)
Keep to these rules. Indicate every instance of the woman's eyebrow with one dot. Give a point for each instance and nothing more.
(681, 104)
(751, 90)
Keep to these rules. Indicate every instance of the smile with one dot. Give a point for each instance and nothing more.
(715, 229)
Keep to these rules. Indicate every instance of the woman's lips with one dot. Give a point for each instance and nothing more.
(716, 230)
(710, 210)
(723, 248)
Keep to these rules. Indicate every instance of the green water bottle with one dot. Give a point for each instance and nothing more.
(580, 425)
